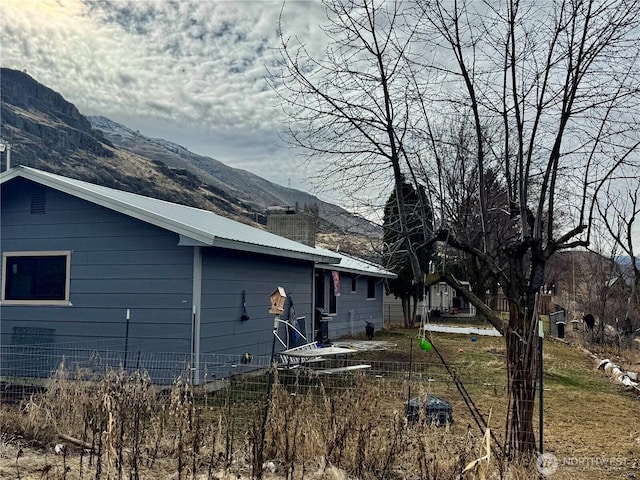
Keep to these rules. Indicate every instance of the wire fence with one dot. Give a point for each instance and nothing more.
(372, 387)
(92, 362)
(34, 364)
(238, 387)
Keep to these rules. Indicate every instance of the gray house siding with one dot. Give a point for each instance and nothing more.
(354, 309)
(226, 274)
(117, 263)
(155, 285)
(121, 266)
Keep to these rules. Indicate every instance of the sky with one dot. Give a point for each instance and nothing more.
(193, 72)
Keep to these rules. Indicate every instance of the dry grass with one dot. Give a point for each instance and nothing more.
(122, 427)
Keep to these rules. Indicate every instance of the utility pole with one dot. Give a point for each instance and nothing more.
(5, 146)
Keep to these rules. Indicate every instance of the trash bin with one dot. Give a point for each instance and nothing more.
(437, 411)
(412, 410)
(321, 322)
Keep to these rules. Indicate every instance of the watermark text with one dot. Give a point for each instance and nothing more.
(548, 463)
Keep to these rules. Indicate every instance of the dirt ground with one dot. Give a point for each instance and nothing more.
(44, 464)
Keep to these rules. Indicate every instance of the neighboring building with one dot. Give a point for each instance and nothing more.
(444, 300)
(88, 265)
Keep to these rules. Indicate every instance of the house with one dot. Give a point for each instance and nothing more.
(444, 300)
(86, 265)
(348, 295)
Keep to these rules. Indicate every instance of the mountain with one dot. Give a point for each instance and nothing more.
(48, 132)
(250, 190)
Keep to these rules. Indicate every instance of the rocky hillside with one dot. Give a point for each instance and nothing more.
(253, 192)
(48, 132)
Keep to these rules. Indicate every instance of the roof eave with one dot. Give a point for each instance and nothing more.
(195, 236)
(265, 250)
(355, 271)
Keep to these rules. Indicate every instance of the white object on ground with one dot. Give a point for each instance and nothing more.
(628, 379)
(491, 332)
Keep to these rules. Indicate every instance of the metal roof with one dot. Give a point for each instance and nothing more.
(195, 226)
(349, 264)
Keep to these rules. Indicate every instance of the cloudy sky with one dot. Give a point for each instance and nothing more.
(193, 72)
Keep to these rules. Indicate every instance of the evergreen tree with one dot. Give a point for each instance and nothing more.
(395, 251)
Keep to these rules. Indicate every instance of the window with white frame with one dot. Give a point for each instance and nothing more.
(36, 278)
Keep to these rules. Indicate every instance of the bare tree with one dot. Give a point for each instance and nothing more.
(548, 89)
(619, 209)
(351, 106)
(601, 285)
(565, 131)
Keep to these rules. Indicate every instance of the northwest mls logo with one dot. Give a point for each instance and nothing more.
(547, 464)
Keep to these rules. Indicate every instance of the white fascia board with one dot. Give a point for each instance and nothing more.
(9, 174)
(186, 241)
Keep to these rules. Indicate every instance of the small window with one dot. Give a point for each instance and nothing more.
(354, 282)
(35, 278)
(371, 288)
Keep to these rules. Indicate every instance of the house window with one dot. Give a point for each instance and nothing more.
(35, 278)
(354, 281)
(371, 288)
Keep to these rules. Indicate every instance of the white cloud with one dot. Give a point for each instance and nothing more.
(192, 71)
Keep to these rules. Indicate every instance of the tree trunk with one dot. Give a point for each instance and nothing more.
(522, 368)
(405, 310)
(522, 383)
(408, 312)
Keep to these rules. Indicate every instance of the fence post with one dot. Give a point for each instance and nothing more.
(540, 374)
